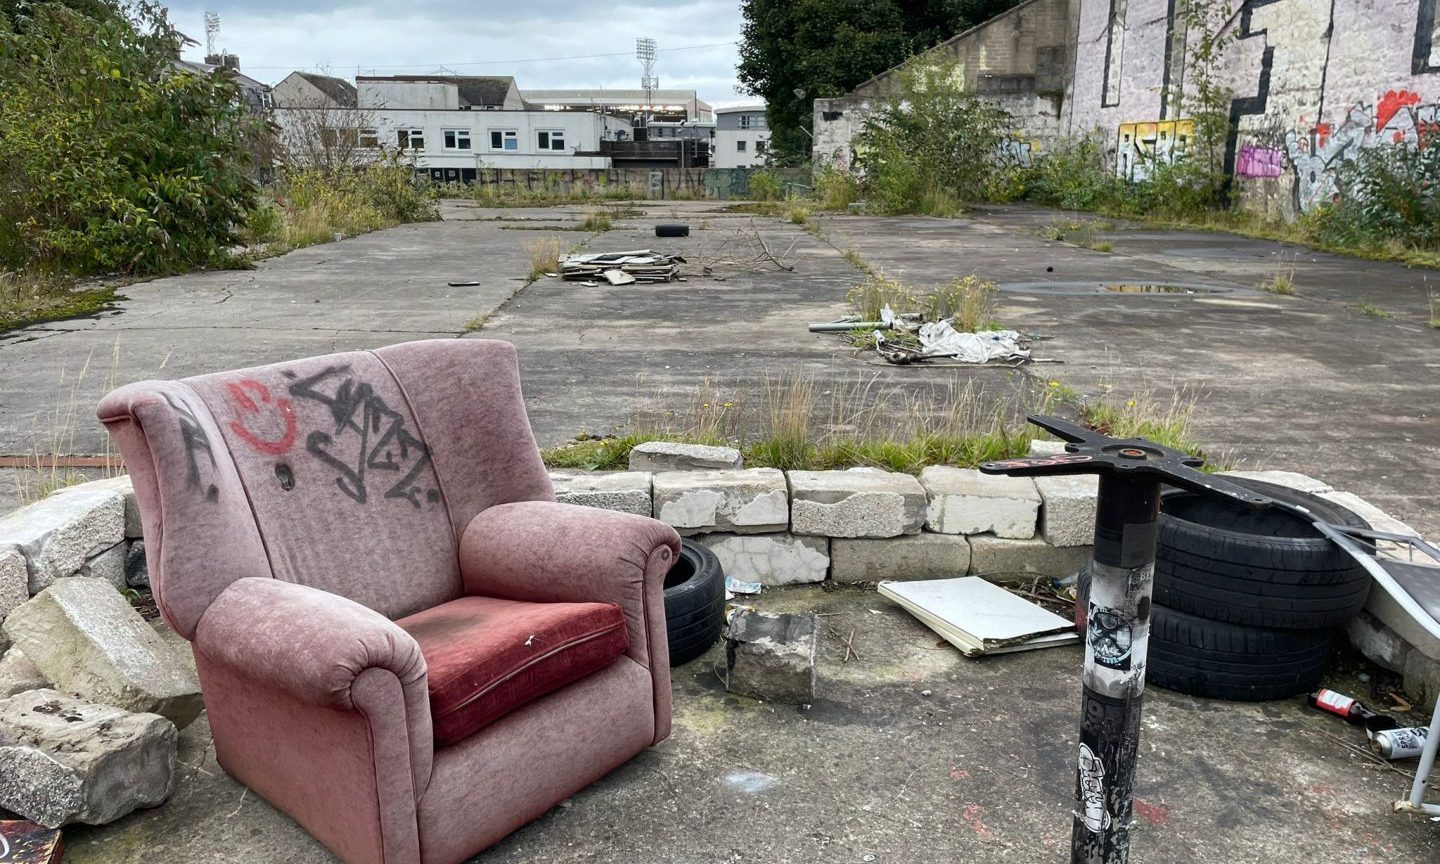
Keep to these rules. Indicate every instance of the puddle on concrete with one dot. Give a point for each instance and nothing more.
(1182, 289)
(750, 782)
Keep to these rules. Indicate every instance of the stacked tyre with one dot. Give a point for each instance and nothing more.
(1248, 603)
(694, 602)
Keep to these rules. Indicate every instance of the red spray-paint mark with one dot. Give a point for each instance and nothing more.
(1155, 814)
(1390, 105)
(243, 396)
(1322, 133)
(971, 815)
(959, 774)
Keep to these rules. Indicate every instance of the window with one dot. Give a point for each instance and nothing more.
(457, 139)
(369, 138)
(550, 139)
(760, 147)
(331, 137)
(267, 100)
(504, 139)
(410, 139)
(740, 146)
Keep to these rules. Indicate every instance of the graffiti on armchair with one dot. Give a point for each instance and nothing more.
(1318, 153)
(368, 436)
(263, 422)
(196, 442)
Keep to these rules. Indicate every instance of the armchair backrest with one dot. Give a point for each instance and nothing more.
(352, 473)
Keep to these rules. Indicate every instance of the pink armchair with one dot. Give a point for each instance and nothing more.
(403, 641)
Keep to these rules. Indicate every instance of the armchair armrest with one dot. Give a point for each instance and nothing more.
(320, 705)
(308, 643)
(544, 552)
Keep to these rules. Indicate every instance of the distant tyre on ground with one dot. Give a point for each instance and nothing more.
(694, 602)
(1262, 568)
(672, 230)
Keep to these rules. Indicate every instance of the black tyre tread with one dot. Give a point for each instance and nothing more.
(1292, 583)
(695, 608)
(672, 230)
(1215, 659)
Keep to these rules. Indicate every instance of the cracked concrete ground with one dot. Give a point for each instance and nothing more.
(1305, 382)
(874, 771)
(982, 769)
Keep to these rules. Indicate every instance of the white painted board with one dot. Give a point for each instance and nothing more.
(979, 617)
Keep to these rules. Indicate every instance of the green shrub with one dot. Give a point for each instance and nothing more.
(1390, 194)
(319, 203)
(837, 190)
(112, 158)
(766, 186)
(934, 147)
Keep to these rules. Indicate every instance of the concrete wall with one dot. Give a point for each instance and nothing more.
(435, 95)
(1313, 84)
(295, 92)
(1020, 60)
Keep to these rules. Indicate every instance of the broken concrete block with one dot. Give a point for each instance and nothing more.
(64, 760)
(137, 569)
(14, 579)
(1288, 479)
(1067, 508)
(771, 657)
(1379, 643)
(179, 645)
(88, 640)
(58, 533)
(19, 674)
(122, 486)
(964, 501)
(658, 456)
(626, 491)
(1001, 559)
(108, 565)
(915, 556)
(752, 501)
(771, 559)
(860, 502)
(1046, 448)
(1421, 677)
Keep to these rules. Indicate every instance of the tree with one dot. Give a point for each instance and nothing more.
(112, 157)
(317, 133)
(793, 52)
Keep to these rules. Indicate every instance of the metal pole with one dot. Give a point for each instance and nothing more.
(1116, 642)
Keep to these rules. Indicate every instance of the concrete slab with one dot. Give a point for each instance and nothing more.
(980, 769)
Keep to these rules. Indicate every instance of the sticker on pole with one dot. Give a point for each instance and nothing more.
(1110, 637)
(1092, 791)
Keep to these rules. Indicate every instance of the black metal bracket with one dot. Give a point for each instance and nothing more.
(1089, 452)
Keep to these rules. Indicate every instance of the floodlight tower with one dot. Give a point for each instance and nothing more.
(212, 30)
(645, 53)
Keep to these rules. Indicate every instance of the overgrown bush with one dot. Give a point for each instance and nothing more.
(836, 190)
(315, 204)
(112, 158)
(934, 147)
(1390, 195)
(766, 186)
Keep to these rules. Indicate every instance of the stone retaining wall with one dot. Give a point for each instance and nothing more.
(767, 526)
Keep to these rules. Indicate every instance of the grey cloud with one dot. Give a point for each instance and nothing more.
(274, 38)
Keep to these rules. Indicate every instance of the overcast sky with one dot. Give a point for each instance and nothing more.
(385, 37)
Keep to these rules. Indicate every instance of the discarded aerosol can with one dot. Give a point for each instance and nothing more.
(1352, 711)
(1400, 743)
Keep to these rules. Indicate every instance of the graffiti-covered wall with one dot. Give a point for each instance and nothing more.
(1313, 82)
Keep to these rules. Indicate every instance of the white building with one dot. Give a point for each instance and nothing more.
(742, 138)
(670, 106)
(451, 126)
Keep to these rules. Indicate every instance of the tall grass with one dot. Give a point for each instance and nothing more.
(969, 300)
(544, 255)
(53, 434)
(312, 206)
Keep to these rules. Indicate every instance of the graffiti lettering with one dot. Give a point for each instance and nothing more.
(1317, 154)
(1092, 791)
(1043, 461)
(1256, 161)
(1144, 145)
(375, 431)
(252, 401)
(193, 436)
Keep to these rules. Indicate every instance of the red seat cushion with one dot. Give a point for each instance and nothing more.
(487, 657)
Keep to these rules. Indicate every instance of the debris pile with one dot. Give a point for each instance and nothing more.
(622, 268)
(908, 338)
